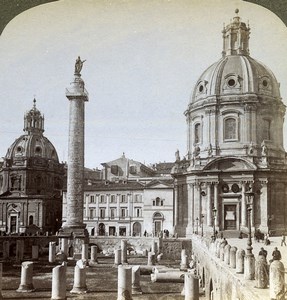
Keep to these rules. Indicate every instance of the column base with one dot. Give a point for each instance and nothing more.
(79, 290)
(78, 235)
(25, 288)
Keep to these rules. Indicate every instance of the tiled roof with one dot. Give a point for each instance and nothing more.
(114, 186)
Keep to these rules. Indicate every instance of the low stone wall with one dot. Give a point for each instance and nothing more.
(220, 281)
(171, 248)
(29, 241)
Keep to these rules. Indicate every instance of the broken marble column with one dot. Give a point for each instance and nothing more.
(80, 286)
(124, 283)
(65, 246)
(261, 272)
(85, 252)
(183, 263)
(227, 254)
(94, 255)
(154, 247)
(52, 252)
(59, 282)
(19, 250)
(35, 252)
(6, 250)
(191, 287)
(136, 276)
(151, 259)
(124, 251)
(173, 276)
(277, 280)
(159, 257)
(26, 283)
(240, 254)
(233, 251)
(118, 257)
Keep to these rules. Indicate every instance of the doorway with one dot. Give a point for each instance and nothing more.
(230, 217)
(13, 224)
(112, 230)
(137, 229)
(157, 227)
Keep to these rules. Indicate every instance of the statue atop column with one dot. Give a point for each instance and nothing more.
(79, 65)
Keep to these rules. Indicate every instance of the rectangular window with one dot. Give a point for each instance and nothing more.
(92, 199)
(102, 199)
(113, 199)
(102, 213)
(138, 212)
(230, 129)
(197, 133)
(123, 198)
(123, 212)
(266, 130)
(113, 213)
(91, 213)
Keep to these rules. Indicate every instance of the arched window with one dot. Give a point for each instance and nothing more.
(31, 220)
(197, 133)
(230, 129)
(266, 129)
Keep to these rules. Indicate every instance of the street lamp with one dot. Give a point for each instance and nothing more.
(197, 225)
(249, 196)
(201, 221)
(214, 211)
(249, 265)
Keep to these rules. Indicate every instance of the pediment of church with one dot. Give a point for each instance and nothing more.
(230, 164)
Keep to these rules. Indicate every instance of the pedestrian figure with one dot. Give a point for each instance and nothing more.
(266, 239)
(283, 240)
(262, 252)
(276, 254)
(223, 243)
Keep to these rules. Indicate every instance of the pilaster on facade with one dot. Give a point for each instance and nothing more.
(264, 209)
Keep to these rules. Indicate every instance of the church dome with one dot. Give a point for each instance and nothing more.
(236, 73)
(33, 143)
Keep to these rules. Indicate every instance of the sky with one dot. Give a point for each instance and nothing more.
(143, 59)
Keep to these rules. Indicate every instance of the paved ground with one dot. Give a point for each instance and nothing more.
(275, 242)
(102, 279)
(101, 282)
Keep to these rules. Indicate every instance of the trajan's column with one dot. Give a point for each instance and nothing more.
(74, 226)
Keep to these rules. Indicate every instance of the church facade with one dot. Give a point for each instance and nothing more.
(235, 170)
(31, 181)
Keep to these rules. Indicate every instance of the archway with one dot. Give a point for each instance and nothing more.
(102, 229)
(157, 223)
(137, 229)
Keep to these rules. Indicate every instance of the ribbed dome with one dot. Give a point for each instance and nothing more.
(236, 75)
(33, 143)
